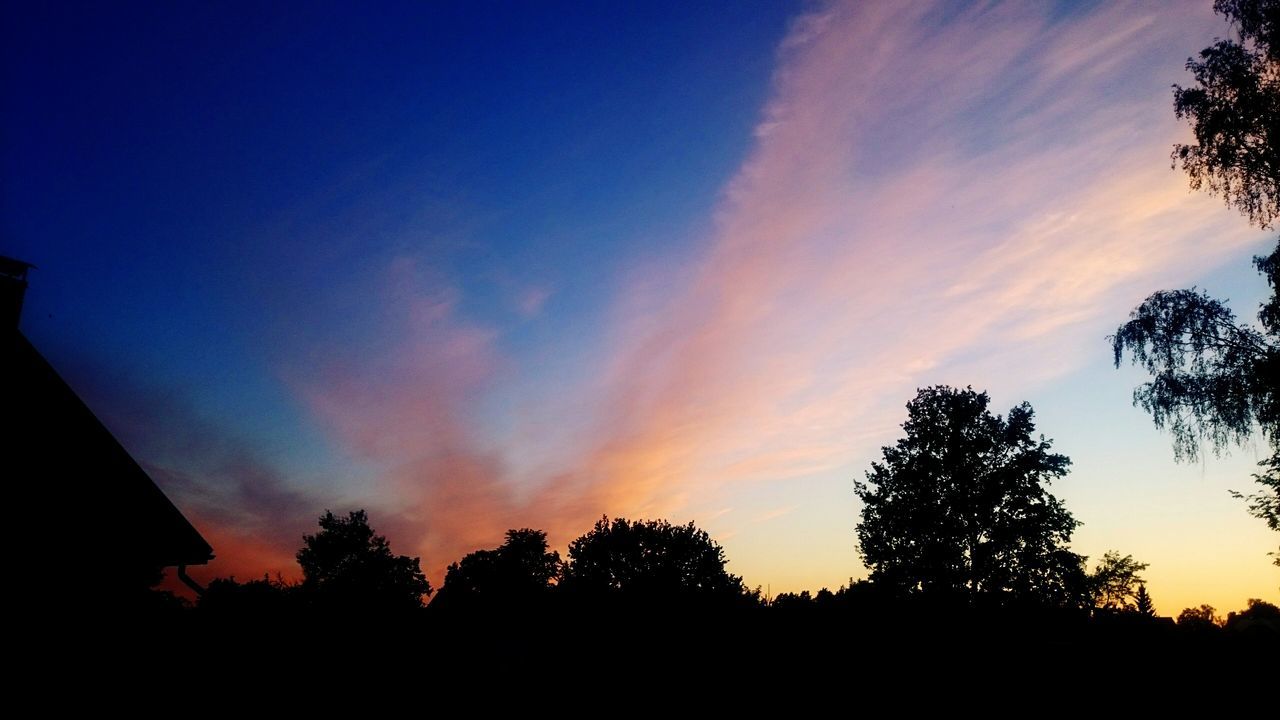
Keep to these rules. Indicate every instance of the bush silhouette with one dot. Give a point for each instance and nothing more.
(519, 573)
(650, 564)
(347, 566)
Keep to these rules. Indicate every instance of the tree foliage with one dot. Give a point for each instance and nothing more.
(346, 565)
(519, 573)
(268, 596)
(1265, 504)
(1116, 582)
(1261, 619)
(1204, 616)
(802, 600)
(1209, 381)
(959, 507)
(1234, 111)
(650, 562)
(1216, 381)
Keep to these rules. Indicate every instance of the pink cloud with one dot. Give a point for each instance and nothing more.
(925, 202)
(530, 301)
(1028, 207)
(402, 405)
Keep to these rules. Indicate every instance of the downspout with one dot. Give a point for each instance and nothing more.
(189, 582)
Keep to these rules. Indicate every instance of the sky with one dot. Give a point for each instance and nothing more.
(475, 267)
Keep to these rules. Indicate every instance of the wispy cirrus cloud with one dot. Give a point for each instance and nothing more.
(402, 405)
(937, 193)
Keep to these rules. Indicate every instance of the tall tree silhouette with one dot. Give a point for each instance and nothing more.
(1215, 380)
(650, 562)
(1142, 603)
(347, 566)
(958, 508)
(519, 573)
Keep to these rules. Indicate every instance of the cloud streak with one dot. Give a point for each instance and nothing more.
(928, 201)
(935, 194)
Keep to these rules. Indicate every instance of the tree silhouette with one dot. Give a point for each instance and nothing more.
(650, 563)
(958, 507)
(1115, 583)
(347, 566)
(520, 572)
(255, 597)
(1142, 602)
(1215, 380)
(1233, 112)
(1209, 374)
(1203, 617)
(793, 601)
(1261, 620)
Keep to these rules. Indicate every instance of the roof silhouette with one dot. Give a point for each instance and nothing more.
(101, 524)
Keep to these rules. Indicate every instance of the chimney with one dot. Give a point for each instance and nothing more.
(13, 285)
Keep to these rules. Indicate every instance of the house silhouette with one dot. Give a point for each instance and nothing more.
(96, 531)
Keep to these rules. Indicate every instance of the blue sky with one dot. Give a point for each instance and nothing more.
(477, 267)
(197, 173)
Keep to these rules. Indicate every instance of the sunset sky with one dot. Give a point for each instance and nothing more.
(478, 266)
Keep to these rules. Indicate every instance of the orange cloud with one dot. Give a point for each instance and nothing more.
(840, 278)
(969, 201)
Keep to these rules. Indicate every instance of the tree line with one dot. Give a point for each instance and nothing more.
(958, 514)
(957, 521)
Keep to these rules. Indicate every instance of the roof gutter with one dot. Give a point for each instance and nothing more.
(196, 587)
